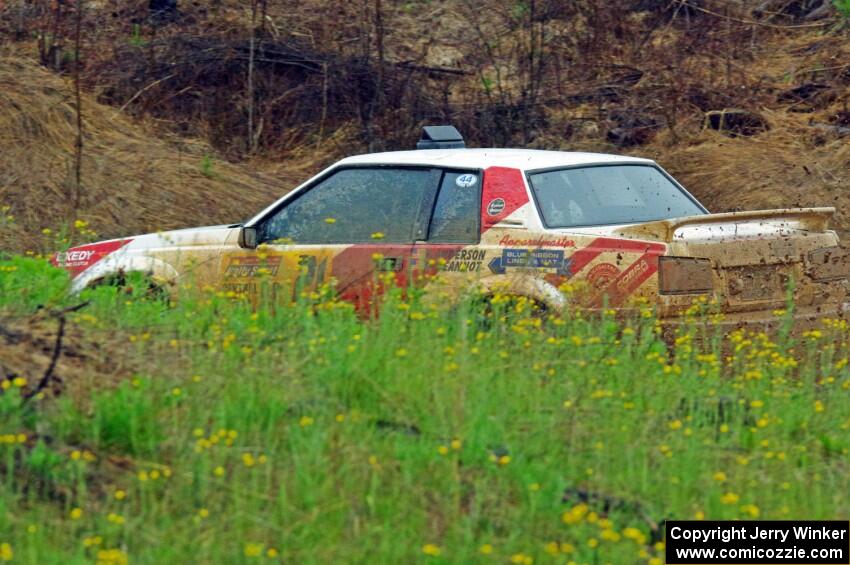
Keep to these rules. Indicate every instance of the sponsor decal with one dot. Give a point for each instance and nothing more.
(495, 207)
(531, 259)
(630, 279)
(465, 261)
(240, 288)
(601, 275)
(78, 259)
(634, 272)
(465, 181)
(606, 277)
(582, 257)
(635, 275)
(246, 266)
(508, 241)
(273, 290)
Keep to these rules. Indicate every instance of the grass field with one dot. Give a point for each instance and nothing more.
(302, 434)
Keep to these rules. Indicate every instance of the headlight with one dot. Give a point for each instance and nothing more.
(684, 275)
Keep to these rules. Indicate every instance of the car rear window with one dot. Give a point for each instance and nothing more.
(610, 194)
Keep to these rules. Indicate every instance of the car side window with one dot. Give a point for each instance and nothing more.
(457, 213)
(353, 206)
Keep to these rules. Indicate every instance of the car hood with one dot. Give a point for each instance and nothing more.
(78, 259)
(190, 237)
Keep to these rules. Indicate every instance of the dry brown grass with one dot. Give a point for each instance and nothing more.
(791, 165)
(799, 162)
(134, 180)
(27, 346)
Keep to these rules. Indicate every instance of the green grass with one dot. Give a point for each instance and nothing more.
(427, 435)
(843, 8)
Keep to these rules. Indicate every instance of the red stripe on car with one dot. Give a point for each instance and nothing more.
(78, 259)
(582, 257)
(632, 277)
(503, 193)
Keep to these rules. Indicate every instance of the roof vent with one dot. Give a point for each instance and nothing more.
(440, 137)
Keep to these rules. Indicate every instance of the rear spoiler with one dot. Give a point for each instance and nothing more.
(811, 219)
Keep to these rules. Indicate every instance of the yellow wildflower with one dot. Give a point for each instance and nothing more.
(253, 549)
(431, 549)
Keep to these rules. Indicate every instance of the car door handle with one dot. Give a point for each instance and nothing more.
(390, 264)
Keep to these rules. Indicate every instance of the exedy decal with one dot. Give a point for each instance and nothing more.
(75, 258)
(78, 259)
(536, 259)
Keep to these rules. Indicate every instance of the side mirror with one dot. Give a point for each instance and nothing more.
(248, 238)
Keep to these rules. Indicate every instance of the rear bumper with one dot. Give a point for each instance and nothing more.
(804, 318)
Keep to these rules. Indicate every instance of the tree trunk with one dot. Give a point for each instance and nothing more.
(78, 146)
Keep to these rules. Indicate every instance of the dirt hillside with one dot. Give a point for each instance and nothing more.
(197, 114)
(803, 157)
(134, 180)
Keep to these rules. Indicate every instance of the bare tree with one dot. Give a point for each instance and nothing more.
(510, 64)
(78, 146)
(20, 25)
(379, 44)
(250, 86)
(50, 38)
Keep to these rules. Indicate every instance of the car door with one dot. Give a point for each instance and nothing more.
(350, 225)
(450, 243)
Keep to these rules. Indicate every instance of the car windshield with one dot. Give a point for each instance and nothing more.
(611, 194)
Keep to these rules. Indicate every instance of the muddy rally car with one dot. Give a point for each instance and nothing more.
(559, 228)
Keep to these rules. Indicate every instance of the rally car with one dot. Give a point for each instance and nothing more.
(559, 228)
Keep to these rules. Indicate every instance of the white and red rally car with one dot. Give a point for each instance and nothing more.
(618, 230)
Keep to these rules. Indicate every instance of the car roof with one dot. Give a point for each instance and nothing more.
(525, 159)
